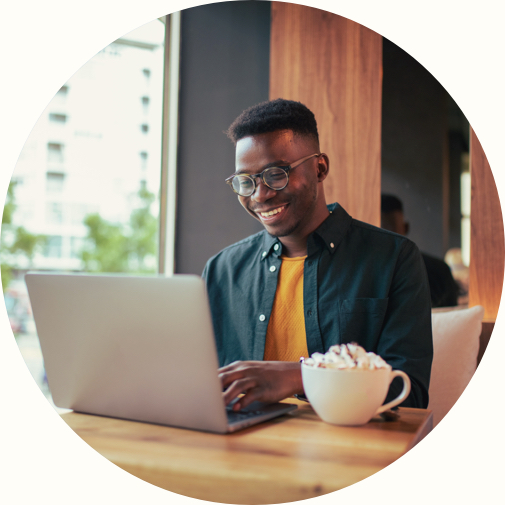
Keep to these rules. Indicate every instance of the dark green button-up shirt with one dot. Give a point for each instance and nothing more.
(360, 284)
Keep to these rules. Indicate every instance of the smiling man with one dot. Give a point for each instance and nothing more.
(314, 277)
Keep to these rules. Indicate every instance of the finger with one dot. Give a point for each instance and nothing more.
(230, 367)
(251, 396)
(238, 387)
(227, 378)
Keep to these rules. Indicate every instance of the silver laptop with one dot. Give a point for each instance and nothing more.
(138, 348)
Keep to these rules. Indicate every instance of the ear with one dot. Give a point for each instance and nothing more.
(323, 167)
(407, 227)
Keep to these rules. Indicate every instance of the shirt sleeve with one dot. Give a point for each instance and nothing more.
(406, 340)
(204, 273)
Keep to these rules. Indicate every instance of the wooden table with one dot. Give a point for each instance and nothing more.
(293, 457)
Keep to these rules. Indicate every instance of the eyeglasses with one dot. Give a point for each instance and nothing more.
(274, 177)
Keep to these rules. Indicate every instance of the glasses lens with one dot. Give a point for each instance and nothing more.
(243, 185)
(276, 178)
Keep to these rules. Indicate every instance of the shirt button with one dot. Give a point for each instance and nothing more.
(262, 317)
(309, 312)
(264, 254)
(276, 247)
(332, 245)
(272, 269)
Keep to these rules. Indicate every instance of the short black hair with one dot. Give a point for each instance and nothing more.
(390, 203)
(271, 116)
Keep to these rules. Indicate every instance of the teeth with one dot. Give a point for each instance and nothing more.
(271, 212)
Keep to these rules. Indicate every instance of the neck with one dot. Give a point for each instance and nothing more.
(292, 247)
(295, 245)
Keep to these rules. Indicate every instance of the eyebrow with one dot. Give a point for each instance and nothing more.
(278, 163)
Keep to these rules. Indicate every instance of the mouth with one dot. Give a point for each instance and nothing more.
(272, 214)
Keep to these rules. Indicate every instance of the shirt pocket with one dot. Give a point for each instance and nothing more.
(361, 321)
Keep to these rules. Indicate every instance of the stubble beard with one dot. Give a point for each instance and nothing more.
(300, 222)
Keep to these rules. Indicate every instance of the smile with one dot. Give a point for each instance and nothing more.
(270, 213)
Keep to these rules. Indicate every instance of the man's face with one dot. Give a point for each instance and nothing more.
(297, 209)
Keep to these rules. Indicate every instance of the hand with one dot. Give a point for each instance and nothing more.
(265, 381)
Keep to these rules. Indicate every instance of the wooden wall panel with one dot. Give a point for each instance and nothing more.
(334, 66)
(487, 249)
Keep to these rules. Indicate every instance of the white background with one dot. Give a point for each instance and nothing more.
(43, 43)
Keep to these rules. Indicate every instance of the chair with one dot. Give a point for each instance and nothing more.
(455, 348)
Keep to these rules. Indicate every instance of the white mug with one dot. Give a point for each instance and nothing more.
(350, 397)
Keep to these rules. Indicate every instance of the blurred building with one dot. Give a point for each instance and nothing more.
(97, 142)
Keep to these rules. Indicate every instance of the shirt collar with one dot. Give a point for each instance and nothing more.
(329, 234)
(331, 231)
(271, 245)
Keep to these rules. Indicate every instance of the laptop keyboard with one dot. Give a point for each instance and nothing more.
(241, 415)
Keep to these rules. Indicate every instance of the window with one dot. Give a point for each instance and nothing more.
(54, 182)
(55, 152)
(145, 104)
(93, 169)
(143, 160)
(59, 102)
(53, 247)
(54, 212)
(57, 118)
(76, 245)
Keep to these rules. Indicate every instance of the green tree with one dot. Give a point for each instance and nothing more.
(106, 246)
(112, 247)
(16, 242)
(143, 232)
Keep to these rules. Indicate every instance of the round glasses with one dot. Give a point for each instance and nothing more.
(273, 177)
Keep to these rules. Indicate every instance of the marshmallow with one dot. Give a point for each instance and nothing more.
(347, 357)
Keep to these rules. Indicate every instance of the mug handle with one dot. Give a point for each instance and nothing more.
(399, 399)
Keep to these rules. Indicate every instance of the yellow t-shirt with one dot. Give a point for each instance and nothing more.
(286, 339)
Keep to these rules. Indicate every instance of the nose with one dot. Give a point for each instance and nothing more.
(262, 192)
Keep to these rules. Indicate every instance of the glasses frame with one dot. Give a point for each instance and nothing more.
(261, 175)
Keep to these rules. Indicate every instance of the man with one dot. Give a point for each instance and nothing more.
(314, 277)
(444, 291)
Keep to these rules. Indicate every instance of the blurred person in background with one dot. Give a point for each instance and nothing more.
(444, 290)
